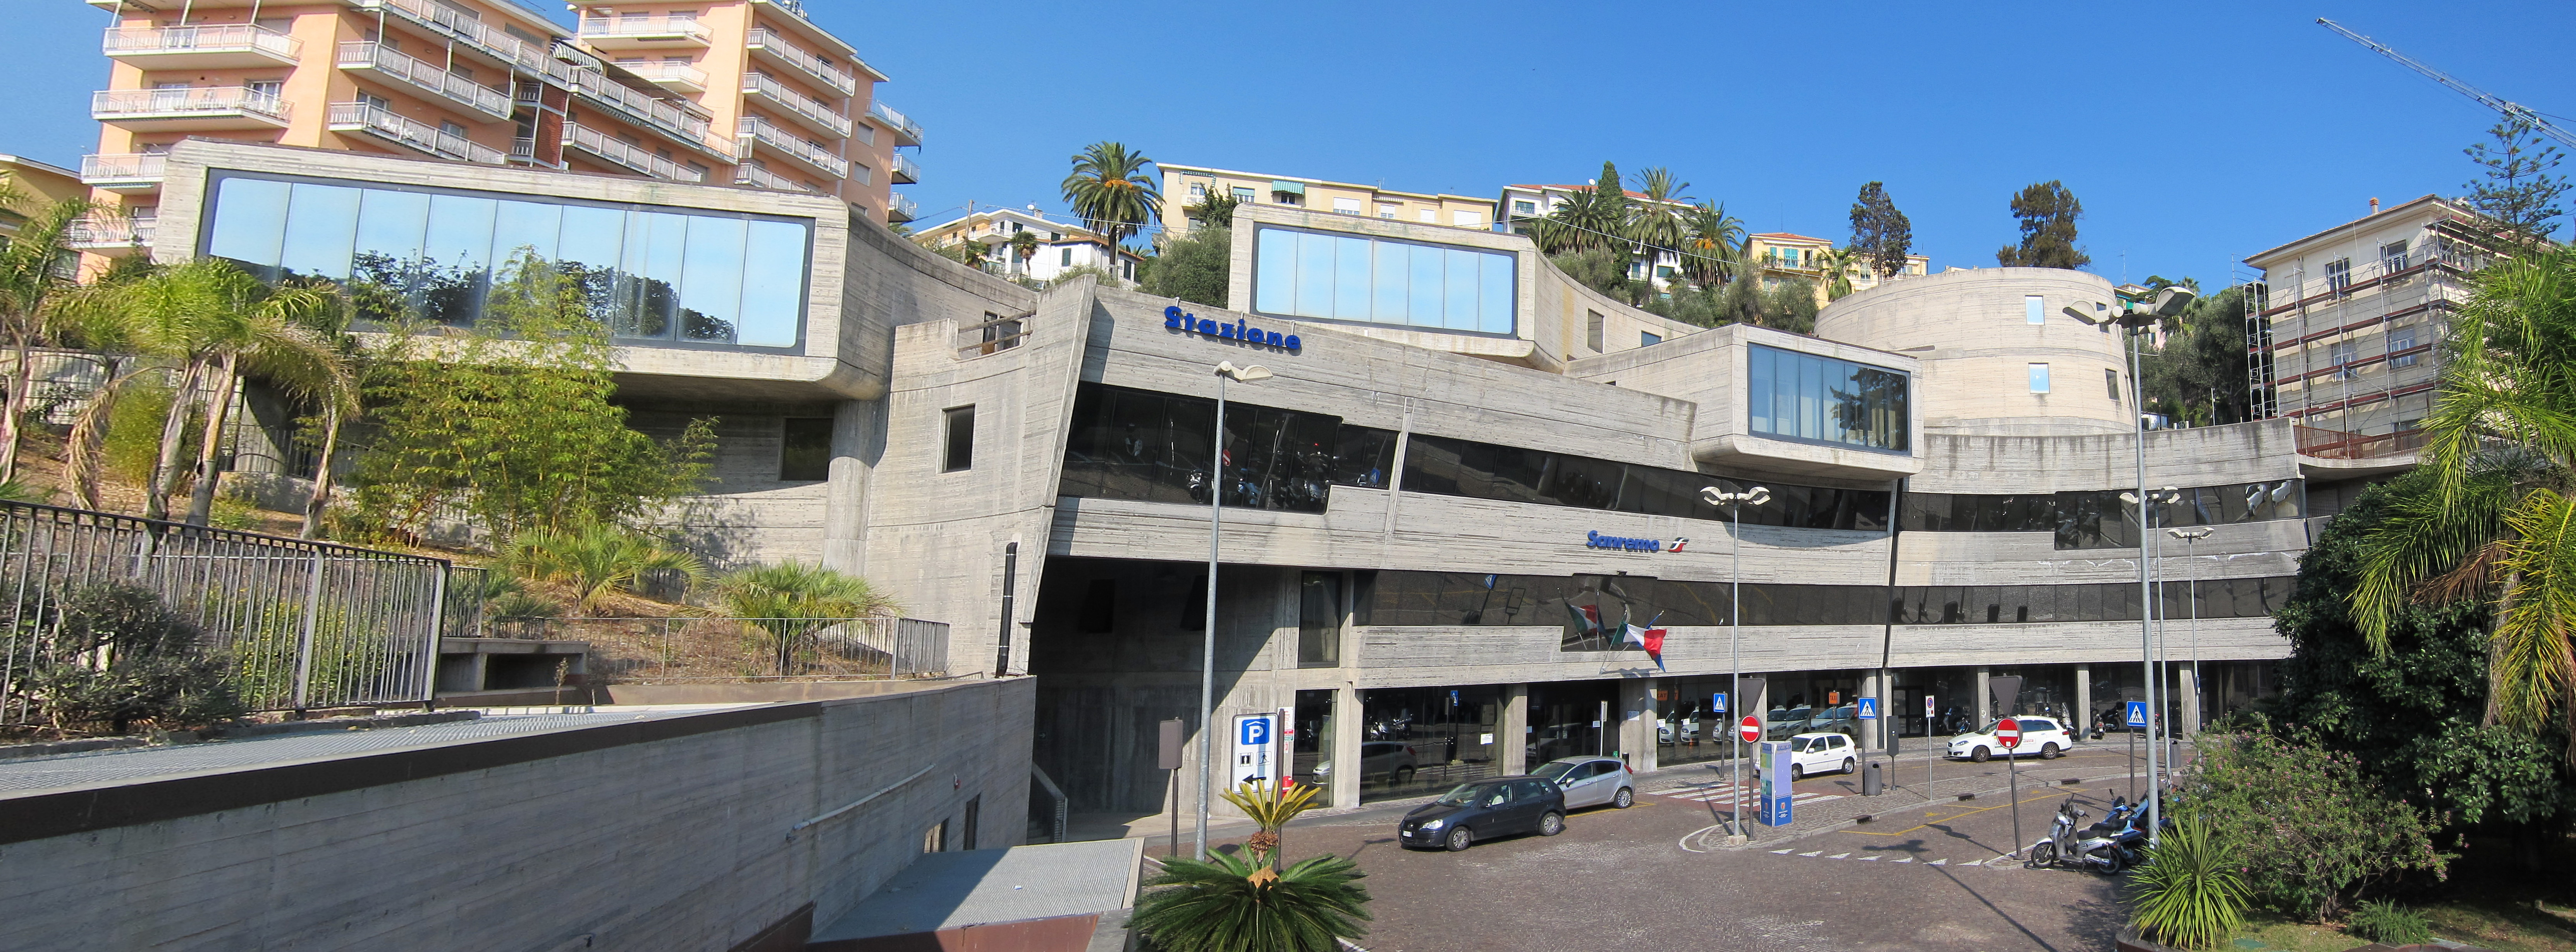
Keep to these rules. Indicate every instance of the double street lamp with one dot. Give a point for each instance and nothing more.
(1734, 504)
(2191, 573)
(1225, 370)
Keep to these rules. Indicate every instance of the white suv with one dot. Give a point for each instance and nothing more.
(2039, 735)
(1812, 754)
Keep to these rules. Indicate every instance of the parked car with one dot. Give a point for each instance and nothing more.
(1821, 752)
(1844, 720)
(2039, 735)
(1485, 809)
(1783, 723)
(1591, 781)
(1377, 757)
(1686, 729)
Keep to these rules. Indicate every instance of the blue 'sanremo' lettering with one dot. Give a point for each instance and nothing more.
(1595, 540)
(1174, 319)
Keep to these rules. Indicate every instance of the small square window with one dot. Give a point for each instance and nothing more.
(2111, 378)
(1242, 193)
(1649, 338)
(1388, 211)
(1346, 206)
(959, 453)
(1463, 219)
(1592, 329)
(1524, 208)
(1430, 217)
(805, 450)
(2034, 309)
(1067, 260)
(2039, 378)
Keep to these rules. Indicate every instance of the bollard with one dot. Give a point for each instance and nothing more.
(1870, 782)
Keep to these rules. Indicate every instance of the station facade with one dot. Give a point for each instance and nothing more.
(1465, 477)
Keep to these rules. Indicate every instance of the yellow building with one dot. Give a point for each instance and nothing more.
(38, 184)
(1784, 256)
(1186, 185)
(742, 92)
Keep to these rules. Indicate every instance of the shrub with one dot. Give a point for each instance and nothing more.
(134, 429)
(118, 657)
(2308, 827)
(1195, 267)
(1236, 903)
(2388, 923)
(2189, 895)
(790, 601)
(597, 559)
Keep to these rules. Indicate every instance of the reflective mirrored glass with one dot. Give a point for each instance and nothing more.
(773, 284)
(711, 279)
(250, 221)
(1274, 281)
(321, 230)
(1352, 292)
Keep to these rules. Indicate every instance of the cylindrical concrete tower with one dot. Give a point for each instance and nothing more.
(2000, 356)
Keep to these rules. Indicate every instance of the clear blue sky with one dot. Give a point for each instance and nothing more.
(2193, 135)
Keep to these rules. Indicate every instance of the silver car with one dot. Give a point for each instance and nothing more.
(1591, 781)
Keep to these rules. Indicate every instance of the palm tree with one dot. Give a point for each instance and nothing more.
(1587, 220)
(1111, 193)
(1833, 270)
(1237, 903)
(1270, 807)
(1711, 251)
(791, 601)
(1656, 224)
(2496, 521)
(595, 559)
(1024, 246)
(34, 265)
(1214, 208)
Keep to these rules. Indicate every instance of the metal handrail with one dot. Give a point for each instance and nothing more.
(756, 130)
(200, 100)
(824, 117)
(903, 206)
(418, 135)
(492, 42)
(645, 26)
(419, 74)
(758, 177)
(766, 40)
(123, 167)
(900, 123)
(667, 71)
(905, 169)
(206, 37)
(110, 232)
(649, 111)
(600, 144)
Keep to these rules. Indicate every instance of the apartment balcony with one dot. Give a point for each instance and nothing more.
(664, 118)
(906, 131)
(901, 208)
(132, 172)
(424, 78)
(761, 138)
(196, 109)
(798, 107)
(758, 177)
(474, 35)
(114, 237)
(221, 46)
(634, 157)
(679, 76)
(383, 125)
(644, 32)
(768, 46)
(906, 171)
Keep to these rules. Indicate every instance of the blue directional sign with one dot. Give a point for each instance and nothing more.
(1868, 708)
(2137, 713)
(1256, 731)
(1717, 704)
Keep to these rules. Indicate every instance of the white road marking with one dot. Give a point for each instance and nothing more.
(1812, 854)
(1838, 855)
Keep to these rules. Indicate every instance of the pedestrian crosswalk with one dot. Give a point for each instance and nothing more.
(1722, 794)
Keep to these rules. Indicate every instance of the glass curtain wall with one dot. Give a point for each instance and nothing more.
(1592, 607)
(1454, 467)
(2097, 519)
(1313, 742)
(1373, 280)
(649, 273)
(1137, 444)
(1687, 730)
(1815, 399)
(1425, 740)
(1565, 720)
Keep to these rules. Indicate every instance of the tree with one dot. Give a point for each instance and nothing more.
(1833, 268)
(1270, 807)
(1790, 307)
(1655, 224)
(2199, 375)
(1605, 270)
(2309, 828)
(592, 560)
(1024, 246)
(1194, 267)
(1880, 234)
(1587, 220)
(1214, 209)
(113, 655)
(1237, 903)
(2519, 194)
(1110, 191)
(791, 601)
(1712, 253)
(2047, 212)
(966, 251)
(2495, 522)
(35, 265)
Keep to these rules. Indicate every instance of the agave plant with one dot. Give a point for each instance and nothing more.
(1237, 903)
(596, 559)
(791, 601)
(1270, 807)
(2189, 896)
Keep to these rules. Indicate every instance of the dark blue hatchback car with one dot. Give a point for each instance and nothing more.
(1485, 809)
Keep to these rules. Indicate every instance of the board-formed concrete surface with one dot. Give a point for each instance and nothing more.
(943, 891)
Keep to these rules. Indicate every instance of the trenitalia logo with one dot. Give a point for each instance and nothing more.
(1174, 319)
(1595, 540)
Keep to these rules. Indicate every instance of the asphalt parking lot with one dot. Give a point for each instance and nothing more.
(1916, 874)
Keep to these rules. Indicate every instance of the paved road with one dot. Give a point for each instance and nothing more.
(1657, 876)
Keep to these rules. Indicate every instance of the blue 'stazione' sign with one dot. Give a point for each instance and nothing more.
(1239, 330)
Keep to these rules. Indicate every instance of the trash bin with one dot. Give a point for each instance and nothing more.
(1870, 784)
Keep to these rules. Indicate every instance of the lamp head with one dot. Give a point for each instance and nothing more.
(2191, 535)
(1243, 374)
(2094, 315)
(2173, 299)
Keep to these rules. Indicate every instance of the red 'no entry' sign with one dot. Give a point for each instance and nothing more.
(2008, 733)
(1751, 731)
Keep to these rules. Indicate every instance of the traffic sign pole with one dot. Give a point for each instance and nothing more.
(2008, 734)
(1931, 749)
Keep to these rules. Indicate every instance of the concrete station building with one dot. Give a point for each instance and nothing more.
(1463, 461)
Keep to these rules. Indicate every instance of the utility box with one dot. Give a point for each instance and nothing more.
(1870, 781)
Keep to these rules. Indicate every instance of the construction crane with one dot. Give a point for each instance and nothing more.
(2510, 110)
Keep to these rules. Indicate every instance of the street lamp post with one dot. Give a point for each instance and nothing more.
(1735, 503)
(1225, 370)
(2191, 573)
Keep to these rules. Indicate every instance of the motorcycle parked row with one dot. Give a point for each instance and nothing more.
(2116, 843)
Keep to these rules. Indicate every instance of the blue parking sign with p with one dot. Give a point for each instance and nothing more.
(1256, 731)
(2137, 713)
(1868, 709)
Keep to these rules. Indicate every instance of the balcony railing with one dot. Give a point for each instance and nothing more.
(2337, 444)
(94, 234)
(210, 101)
(824, 118)
(384, 124)
(758, 177)
(488, 40)
(645, 27)
(597, 143)
(644, 110)
(764, 40)
(422, 76)
(780, 140)
(676, 74)
(906, 171)
(112, 170)
(903, 126)
(901, 207)
(213, 38)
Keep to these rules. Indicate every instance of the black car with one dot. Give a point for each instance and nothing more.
(1485, 809)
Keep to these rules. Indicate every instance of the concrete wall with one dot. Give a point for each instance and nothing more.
(1709, 370)
(662, 834)
(1968, 327)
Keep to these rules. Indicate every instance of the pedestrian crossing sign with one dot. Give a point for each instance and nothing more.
(1868, 708)
(2137, 714)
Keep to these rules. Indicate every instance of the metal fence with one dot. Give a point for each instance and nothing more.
(686, 649)
(299, 624)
